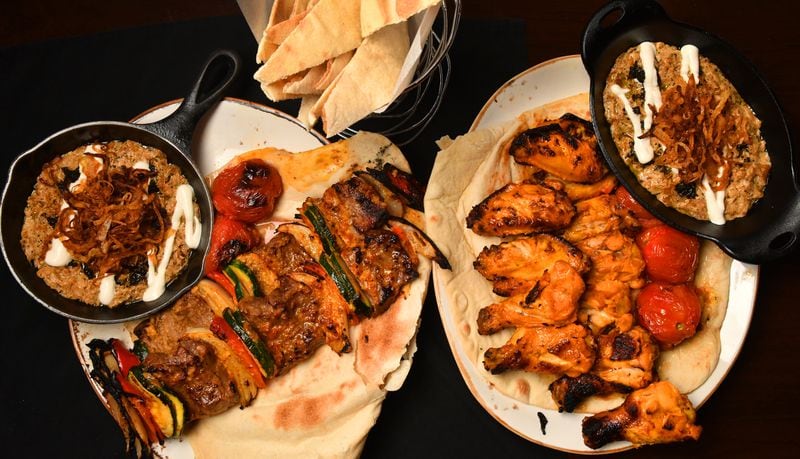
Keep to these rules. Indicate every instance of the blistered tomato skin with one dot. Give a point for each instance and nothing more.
(669, 312)
(229, 238)
(247, 191)
(646, 219)
(670, 256)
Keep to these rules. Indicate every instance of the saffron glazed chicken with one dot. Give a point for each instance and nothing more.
(565, 148)
(657, 413)
(516, 266)
(565, 350)
(553, 300)
(570, 283)
(518, 209)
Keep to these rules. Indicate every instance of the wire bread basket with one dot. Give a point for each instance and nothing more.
(411, 112)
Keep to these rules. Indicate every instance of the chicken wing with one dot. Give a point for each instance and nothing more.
(520, 209)
(558, 350)
(552, 301)
(569, 392)
(659, 413)
(566, 148)
(626, 358)
(516, 266)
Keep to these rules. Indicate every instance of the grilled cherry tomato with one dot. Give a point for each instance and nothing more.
(669, 312)
(229, 238)
(646, 219)
(247, 191)
(669, 255)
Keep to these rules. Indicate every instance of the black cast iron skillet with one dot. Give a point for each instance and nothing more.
(770, 230)
(173, 136)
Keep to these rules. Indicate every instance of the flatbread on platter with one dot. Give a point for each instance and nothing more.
(467, 170)
(325, 406)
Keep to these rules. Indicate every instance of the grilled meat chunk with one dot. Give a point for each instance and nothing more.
(382, 267)
(626, 358)
(287, 320)
(569, 392)
(557, 350)
(553, 301)
(161, 332)
(350, 209)
(516, 266)
(283, 254)
(520, 209)
(659, 413)
(566, 148)
(193, 371)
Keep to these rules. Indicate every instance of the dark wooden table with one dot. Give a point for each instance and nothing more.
(46, 406)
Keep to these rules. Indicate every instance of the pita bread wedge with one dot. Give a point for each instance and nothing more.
(330, 28)
(469, 169)
(308, 83)
(281, 10)
(377, 14)
(367, 82)
(325, 406)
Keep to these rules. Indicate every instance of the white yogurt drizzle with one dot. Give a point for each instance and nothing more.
(142, 165)
(715, 203)
(82, 178)
(184, 209)
(690, 62)
(107, 288)
(58, 255)
(652, 95)
(642, 147)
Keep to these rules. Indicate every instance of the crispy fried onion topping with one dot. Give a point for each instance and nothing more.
(701, 131)
(112, 221)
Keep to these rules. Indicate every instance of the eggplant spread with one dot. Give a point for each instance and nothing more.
(347, 261)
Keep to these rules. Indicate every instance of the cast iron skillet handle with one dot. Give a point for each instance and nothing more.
(775, 241)
(628, 13)
(218, 74)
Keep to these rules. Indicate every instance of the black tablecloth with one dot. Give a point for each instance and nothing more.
(48, 408)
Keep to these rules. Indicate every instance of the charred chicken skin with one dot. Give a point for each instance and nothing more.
(516, 266)
(519, 209)
(556, 350)
(566, 148)
(658, 413)
(569, 392)
(552, 301)
(626, 358)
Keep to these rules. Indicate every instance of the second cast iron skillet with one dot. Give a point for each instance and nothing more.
(173, 136)
(772, 227)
